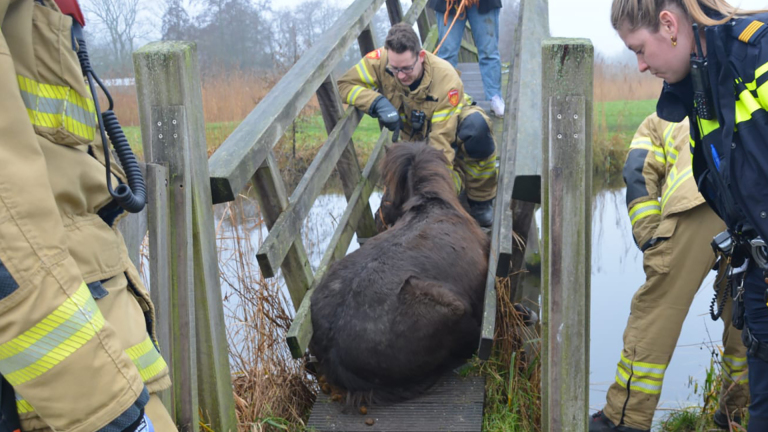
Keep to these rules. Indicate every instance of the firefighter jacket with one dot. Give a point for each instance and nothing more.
(76, 335)
(659, 178)
(730, 155)
(440, 96)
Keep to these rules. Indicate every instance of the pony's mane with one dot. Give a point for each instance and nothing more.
(417, 170)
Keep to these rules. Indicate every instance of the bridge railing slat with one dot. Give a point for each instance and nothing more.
(301, 329)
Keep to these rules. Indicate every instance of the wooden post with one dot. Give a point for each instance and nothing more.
(395, 11)
(366, 41)
(133, 228)
(173, 131)
(160, 282)
(566, 231)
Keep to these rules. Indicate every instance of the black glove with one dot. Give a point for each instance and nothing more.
(382, 109)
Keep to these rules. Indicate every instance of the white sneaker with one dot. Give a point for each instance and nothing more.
(497, 106)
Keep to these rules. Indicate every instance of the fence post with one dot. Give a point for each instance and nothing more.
(173, 131)
(566, 231)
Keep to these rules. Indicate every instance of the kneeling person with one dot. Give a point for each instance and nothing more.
(405, 86)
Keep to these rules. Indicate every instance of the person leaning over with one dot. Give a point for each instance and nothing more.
(673, 227)
(483, 17)
(405, 86)
(77, 336)
(713, 59)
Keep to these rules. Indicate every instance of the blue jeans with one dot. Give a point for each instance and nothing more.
(757, 322)
(485, 30)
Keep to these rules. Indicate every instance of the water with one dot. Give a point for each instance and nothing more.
(617, 273)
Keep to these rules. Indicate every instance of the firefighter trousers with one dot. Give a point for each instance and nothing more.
(675, 269)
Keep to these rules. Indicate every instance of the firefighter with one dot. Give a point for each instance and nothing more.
(405, 86)
(673, 227)
(77, 342)
(713, 59)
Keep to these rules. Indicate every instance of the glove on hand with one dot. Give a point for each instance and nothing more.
(382, 109)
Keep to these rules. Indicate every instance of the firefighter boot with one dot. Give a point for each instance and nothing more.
(600, 423)
(482, 211)
(721, 420)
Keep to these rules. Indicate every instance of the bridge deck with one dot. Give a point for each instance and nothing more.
(454, 404)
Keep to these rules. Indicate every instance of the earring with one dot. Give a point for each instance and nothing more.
(674, 41)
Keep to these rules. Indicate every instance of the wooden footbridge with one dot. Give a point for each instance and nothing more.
(548, 92)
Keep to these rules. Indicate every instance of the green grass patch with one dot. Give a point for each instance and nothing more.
(614, 125)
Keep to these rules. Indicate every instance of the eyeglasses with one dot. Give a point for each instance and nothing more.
(406, 70)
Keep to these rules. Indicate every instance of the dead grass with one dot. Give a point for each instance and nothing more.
(619, 82)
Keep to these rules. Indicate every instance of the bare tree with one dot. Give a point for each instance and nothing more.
(121, 22)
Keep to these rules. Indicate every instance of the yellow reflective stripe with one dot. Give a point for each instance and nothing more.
(642, 368)
(745, 106)
(641, 143)
(735, 363)
(643, 210)
(668, 141)
(365, 76)
(147, 359)
(750, 31)
(659, 154)
(760, 71)
(707, 126)
(53, 106)
(456, 180)
(443, 115)
(475, 170)
(645, 386)
(685, 175)
(353, 94)
(22, 406)
(52, 340)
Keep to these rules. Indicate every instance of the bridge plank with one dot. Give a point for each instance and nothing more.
(270, 192)
(243, 152)
(287, 228)
(300, 333)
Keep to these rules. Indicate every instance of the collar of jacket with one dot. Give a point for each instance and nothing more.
(676, 101)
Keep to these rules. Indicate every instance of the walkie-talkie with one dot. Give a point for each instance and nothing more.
(702, 96)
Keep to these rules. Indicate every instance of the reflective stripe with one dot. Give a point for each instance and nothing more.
(659, 154)
(53, 106)
(51, 340)
(760, 71)
(735, 363)
(644, 369)
(643, 210)
(147, 359)
(745, 106)
(443, 115)
(353, 94)
(707, 126)
(456, 180)
(22, 406)
(645, 386)
(641, 143)
(365, 76)
(685, 175)
(480, 169)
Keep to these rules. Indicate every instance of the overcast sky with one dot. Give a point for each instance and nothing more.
(573, 18)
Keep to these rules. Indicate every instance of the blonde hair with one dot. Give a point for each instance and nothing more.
(645, 13)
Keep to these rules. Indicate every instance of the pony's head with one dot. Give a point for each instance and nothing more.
(413, 173)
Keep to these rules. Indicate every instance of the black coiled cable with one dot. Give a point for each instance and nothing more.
(132, 196)
(715, 315)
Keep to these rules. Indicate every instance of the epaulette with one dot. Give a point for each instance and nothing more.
(750, 29)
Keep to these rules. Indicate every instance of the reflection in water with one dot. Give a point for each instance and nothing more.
(616, 274)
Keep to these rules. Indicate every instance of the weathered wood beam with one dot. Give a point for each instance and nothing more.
(567, 66)
(415, 11)
(300, 333)
(270, 192)
(171, 108)
(243, 152)
(287, 228)
(348, 166)
(366, 41)
(395, 11)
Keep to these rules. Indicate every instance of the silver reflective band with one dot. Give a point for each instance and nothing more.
(759, 252)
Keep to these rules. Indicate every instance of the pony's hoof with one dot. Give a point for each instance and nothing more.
(363, 410)
(369, 421)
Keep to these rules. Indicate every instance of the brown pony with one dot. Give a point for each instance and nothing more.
(394, 315)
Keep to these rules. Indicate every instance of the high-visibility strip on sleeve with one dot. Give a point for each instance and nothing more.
(456, 180)
(22, 406)
(147, 359)
(643, 210)
(52, 340)
(641, 143)
(353, 94)
(480, 169)
(365, 74)
(444, 115)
